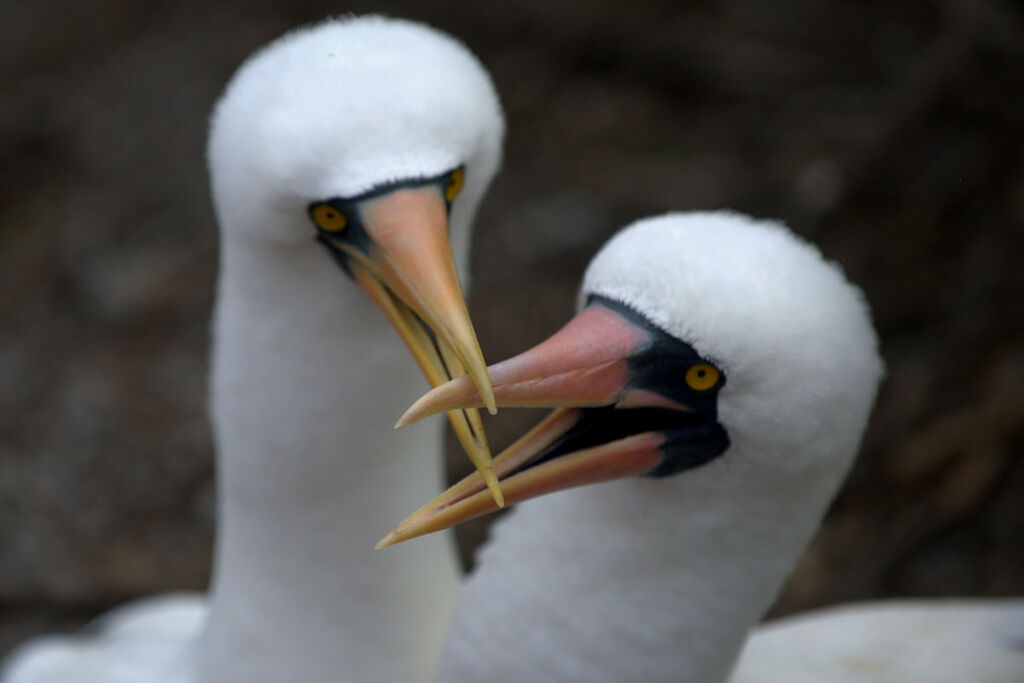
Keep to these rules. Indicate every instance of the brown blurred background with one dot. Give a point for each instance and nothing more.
(889, 132)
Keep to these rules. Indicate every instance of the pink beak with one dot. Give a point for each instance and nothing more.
(586, 363)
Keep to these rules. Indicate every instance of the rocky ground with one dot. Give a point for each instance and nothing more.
(888, 132)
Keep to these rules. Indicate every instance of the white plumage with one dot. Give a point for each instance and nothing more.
(308, 377)
(342, 107)
(661, 579)
(632, 580)
(908, 641)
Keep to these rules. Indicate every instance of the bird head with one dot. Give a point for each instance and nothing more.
(374, 138)
(703, 339)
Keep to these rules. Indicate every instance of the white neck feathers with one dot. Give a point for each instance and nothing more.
(653, 580)
(309, 468)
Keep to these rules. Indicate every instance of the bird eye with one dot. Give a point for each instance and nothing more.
(701, 377)
(328, 218)
(454, 186)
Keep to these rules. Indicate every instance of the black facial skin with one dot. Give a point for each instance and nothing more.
(692, 438)
(354, 234)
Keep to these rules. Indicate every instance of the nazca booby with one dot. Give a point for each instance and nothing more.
(728, 364)
(365, 143)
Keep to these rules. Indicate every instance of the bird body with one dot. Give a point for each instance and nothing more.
(899, 641)
(326, 145)
(306, 372)
(335, 145)
(150, 640)
(689, 323)
(659, 579)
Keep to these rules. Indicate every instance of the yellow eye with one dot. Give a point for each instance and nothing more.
(329, 218)
(701, 377)
(454, 186)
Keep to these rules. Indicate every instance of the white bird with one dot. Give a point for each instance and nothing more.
(733, 367)
(366, 143)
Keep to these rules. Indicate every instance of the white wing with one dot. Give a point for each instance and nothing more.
(976, 641)
(151, 640)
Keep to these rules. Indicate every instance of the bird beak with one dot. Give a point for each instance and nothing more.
(409, 271)
(583, 364)
(586, 363)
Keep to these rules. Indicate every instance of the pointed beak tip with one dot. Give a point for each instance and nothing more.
(400, 534)
(482, 380)
(491, 479)
(488, 396)
(412, 415)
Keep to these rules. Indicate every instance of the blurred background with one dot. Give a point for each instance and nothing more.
(890, 133)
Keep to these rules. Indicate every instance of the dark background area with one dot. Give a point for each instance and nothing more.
(890, 133)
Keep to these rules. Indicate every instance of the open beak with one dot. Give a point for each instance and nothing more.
(606, 424)
(406, 266)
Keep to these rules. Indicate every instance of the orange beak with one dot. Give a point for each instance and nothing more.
(406, 266)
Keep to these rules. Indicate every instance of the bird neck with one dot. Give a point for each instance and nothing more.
(653, 580)
(307, 381)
